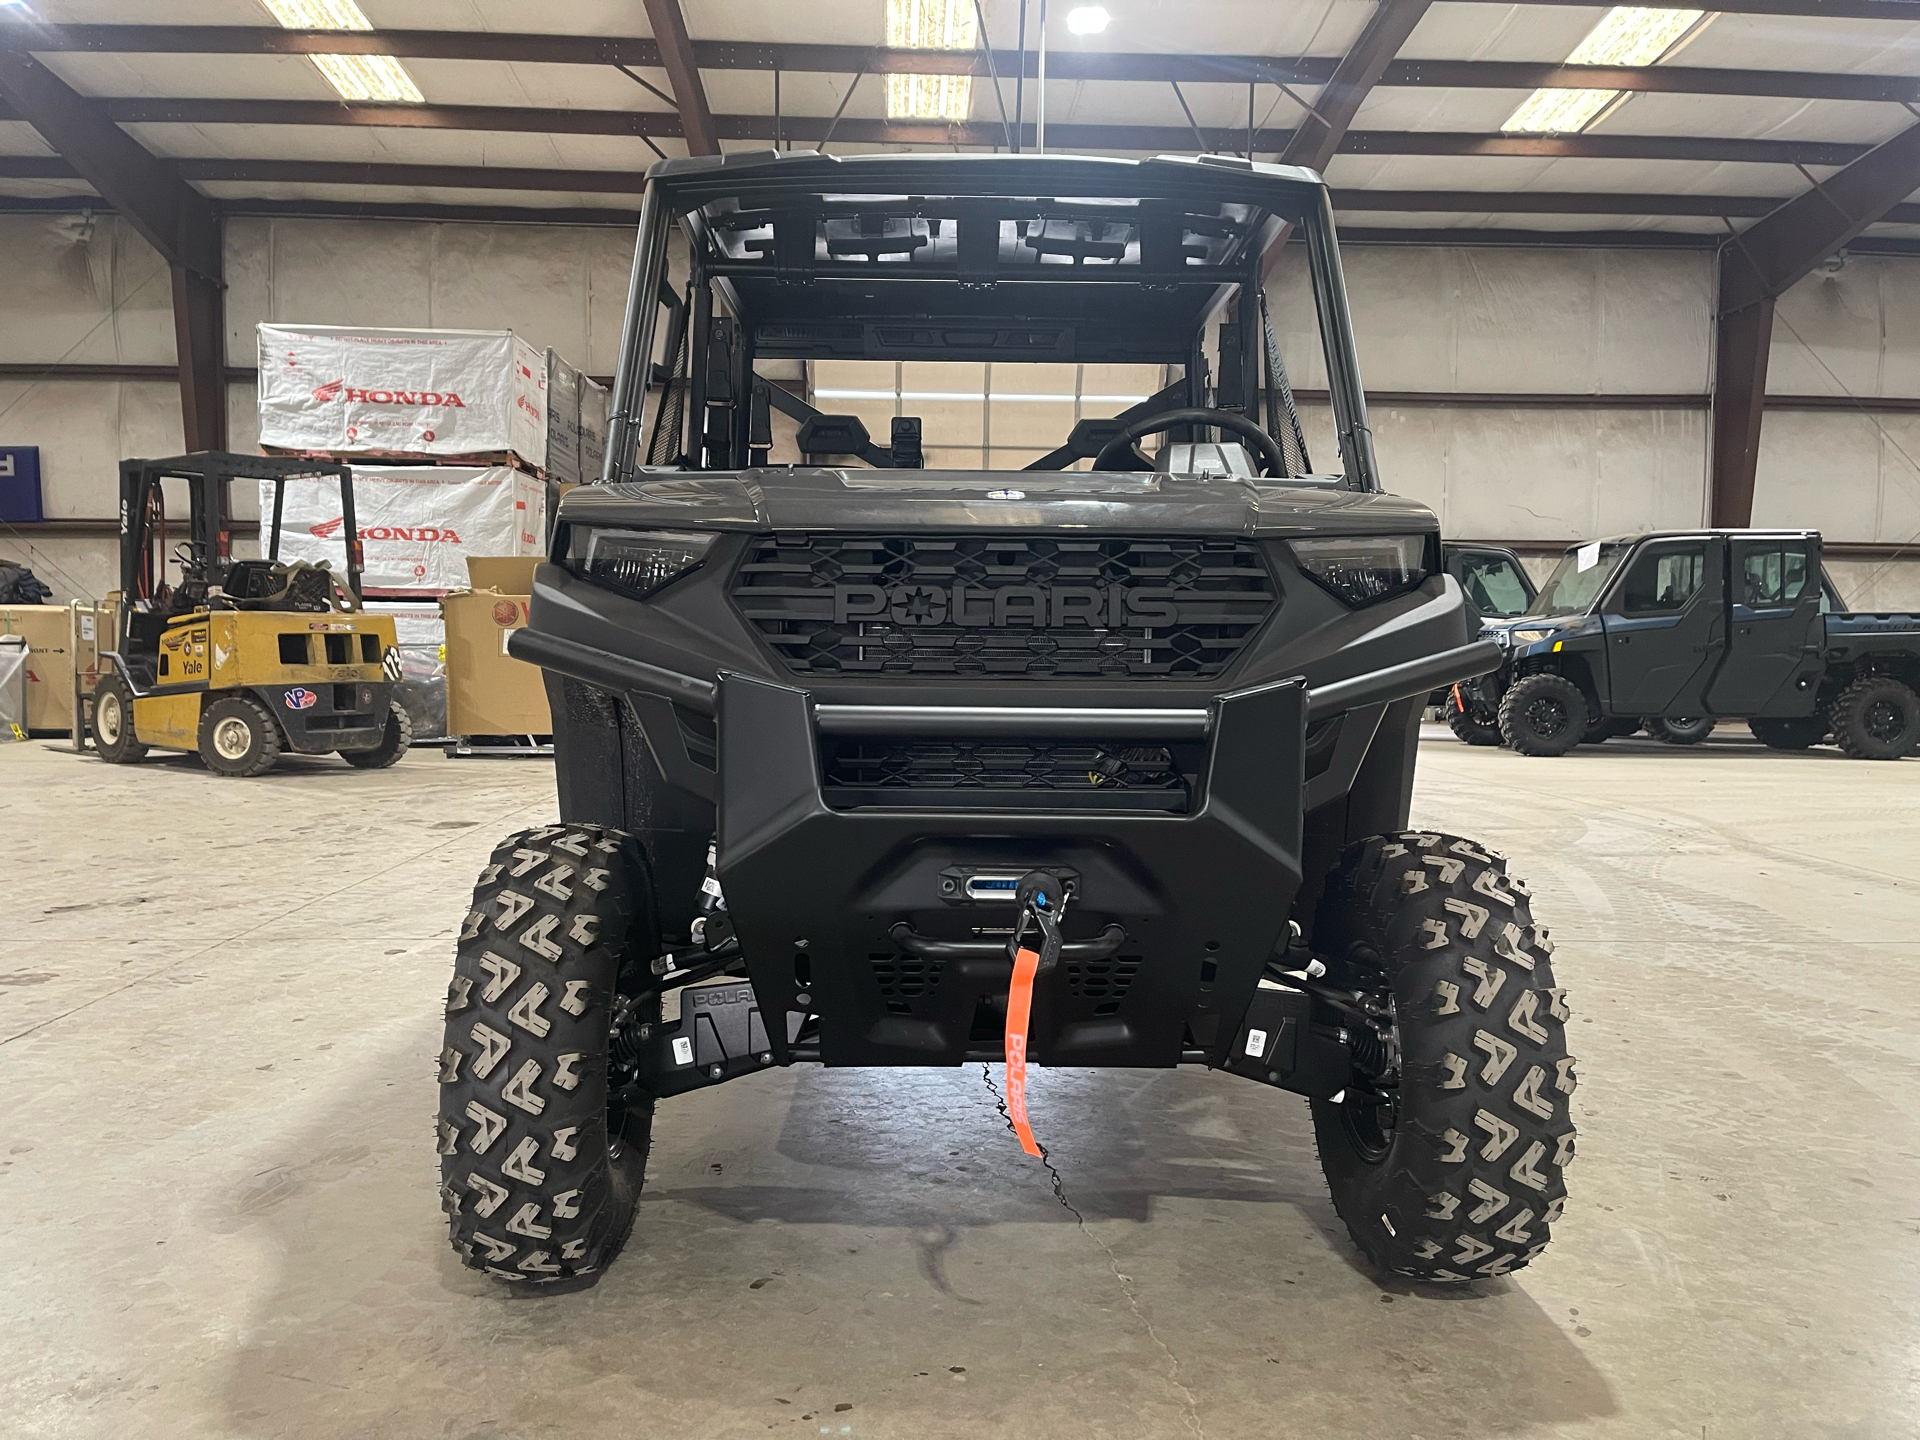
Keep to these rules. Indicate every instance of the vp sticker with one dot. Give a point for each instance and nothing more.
(301, 698)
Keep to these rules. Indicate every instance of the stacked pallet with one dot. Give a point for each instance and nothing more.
(460, 440)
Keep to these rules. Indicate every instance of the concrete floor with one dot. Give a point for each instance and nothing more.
(219, 1005)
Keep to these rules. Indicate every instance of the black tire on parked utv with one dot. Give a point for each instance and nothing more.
(1681, 730)
(538, 1180)
(1876, 718)
(1795, 733)
(1600, 730)
(1467, 727)
(1543, 715)
(1462, 1175)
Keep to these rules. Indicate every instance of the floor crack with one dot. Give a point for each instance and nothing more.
(1113, 1263)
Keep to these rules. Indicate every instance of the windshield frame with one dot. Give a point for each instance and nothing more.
(677, 188)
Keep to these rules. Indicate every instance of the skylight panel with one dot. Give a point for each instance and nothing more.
(379, 78)
(930, 25)
(1625, 35)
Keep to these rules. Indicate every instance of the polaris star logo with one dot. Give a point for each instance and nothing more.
(974, 606)
(429, 399)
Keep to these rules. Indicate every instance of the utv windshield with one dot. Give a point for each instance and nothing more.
(987, 313)
(1493, 583)
(1579, 578)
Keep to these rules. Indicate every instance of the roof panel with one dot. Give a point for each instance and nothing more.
(1499, 32)
(1405, 108)
(140, 12)
(1520, 172)
(1749, 117)
(229, 77)
(1495, 220)
(1793, 42)
(19, 138)
(418, 195)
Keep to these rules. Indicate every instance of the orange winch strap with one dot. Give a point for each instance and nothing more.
(1019, 1009)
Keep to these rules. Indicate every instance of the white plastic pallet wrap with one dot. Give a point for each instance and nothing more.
(418, 523)
(13, 687)
(343, 391)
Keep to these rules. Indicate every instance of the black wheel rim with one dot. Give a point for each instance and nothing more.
(1884, 720)
(1371, 1118)
(1546, 716)
(1370, 1112)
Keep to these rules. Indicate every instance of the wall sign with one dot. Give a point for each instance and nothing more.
(20, 482)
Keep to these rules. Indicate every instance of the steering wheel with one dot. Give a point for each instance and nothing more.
(1122, 446)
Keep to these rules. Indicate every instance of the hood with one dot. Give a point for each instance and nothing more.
(816, 498)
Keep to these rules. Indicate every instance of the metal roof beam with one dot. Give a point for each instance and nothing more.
(1760, 264)
(1319, 135)
(177, 220)
(172, 216)
(683, 74)
(1148, 138)
(1767, 257)
(1900, 12)
(878, 60)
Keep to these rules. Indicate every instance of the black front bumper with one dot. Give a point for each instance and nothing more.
(818, 897)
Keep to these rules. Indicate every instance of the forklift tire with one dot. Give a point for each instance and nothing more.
(393, 744)
(1798, 733)
(539, 1168)
(1687, 730)
(113, 722)
(1876, 718)
(1466, 726)
(1461, 1174)
(1543, 715)
(238, 737)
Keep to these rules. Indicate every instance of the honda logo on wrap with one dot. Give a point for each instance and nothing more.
(430, 399)
(975, 606)
(327, 529)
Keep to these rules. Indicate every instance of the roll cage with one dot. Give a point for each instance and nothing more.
(969, 258)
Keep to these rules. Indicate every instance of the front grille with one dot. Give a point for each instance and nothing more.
(882, 770)
(1032, 608)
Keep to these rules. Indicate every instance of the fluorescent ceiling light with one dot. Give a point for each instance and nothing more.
(353, 77)
(930, 25)
(1626, 35)
(1088, 20)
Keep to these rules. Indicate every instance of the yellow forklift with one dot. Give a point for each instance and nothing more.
(239, 660)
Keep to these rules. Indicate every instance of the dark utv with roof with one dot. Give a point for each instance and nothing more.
(1677, 630)
(823, 731)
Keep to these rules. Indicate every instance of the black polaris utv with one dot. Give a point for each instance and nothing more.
(1678, 630)
(840, 746)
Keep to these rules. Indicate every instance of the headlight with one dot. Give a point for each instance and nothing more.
(1527, 637)
(1363, 568)
(636, 562)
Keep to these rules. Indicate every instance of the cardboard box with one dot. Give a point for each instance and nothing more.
(51, 659)
(488, 691)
